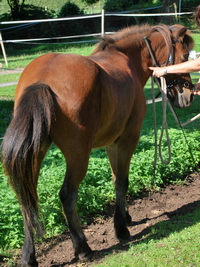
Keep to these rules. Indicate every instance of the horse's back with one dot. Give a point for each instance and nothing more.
(65, 74)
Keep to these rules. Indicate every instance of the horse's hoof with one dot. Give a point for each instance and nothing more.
(122, 236)
(35, 264)
(128, 219)
(86, 256)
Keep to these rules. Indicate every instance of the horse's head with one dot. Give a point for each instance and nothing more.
(178, 43)
(180, 87)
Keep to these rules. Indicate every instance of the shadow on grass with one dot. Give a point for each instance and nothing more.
(178, 220)
(6, 109)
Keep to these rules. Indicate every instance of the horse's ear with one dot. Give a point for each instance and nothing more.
(178, 32)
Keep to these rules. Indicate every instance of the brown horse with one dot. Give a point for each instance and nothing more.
(81, 103)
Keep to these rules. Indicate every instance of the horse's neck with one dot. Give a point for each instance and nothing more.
(142, 58)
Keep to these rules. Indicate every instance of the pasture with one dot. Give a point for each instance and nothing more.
(94, 196)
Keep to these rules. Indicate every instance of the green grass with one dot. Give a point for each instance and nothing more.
(93, 194)
(56, 5)
(19, 56)
(173, 243)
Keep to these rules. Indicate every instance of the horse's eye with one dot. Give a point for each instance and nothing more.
(185, 57)
(186, 85)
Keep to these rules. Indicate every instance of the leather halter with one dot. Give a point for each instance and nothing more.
(170, 58)
(176, 82)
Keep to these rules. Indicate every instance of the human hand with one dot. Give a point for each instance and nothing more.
(158, 71)
(197, 89)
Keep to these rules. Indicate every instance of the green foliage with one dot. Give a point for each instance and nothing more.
(15, 7)
(6, 107)
(21, 11)
(71, 27)
(124, 5)
(189, 5)
(34, 12)
(118, 5)
(69, 9)
(11, 223)
(90, 2)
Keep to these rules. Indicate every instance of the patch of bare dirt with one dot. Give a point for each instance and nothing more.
(10, 71)
(146, 211)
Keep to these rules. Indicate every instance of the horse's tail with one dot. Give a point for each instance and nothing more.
(21, 147)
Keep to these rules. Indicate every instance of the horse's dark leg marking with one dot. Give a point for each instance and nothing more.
(119, 162)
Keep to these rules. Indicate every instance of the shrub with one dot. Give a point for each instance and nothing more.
(119, 5)
(70, 9)
(70, 27)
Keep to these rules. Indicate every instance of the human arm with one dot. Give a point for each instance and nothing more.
(185, 67)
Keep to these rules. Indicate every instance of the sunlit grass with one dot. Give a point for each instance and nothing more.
(172, 243)
(19, 56)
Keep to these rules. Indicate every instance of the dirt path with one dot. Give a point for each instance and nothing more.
(146, 211)
(10, 71)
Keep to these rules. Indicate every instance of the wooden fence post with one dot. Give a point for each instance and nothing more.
(3, 49)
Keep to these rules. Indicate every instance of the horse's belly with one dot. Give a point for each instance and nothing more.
(104, 141)
(126, 121)
(108, 134)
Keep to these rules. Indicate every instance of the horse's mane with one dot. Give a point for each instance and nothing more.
(134, 33)
(126, 33)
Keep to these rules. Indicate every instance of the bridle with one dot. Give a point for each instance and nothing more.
(170, 61)
(176, 82)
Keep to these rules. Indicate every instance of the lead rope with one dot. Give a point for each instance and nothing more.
(163, 89)
(164, 123)
(158, 145)
(181, 126)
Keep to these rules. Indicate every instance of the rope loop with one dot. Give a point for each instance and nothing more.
(158, 145)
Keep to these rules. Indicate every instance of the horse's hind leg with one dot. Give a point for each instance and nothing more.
(76, 171)
(120, 157)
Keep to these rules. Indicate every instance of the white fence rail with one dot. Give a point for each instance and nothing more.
(102, 30)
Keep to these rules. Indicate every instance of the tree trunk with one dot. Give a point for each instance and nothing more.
(15, 7)
(170, 6)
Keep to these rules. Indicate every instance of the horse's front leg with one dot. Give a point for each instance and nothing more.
(68, 195)
(120, 160)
